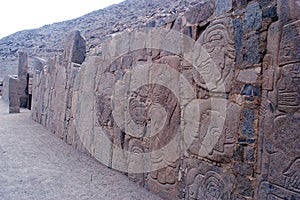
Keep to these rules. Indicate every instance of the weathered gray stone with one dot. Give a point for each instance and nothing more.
(75, 48)
(270, 12)
(244, 186)
(288, 89)
(154, 112)
(5, 94)
(249, 75)
(22, 76)
(14, 98)
(223, 6)
(250, 154)
(244, 169)
(200, 12)
(289, 51)
(241, 3)
(251, 55)
(288, 10)
(247, 123)
(150, 24)
(268, 190)
(278, 163)
(206, 181)
(39, 64)
(253, 18)
(238, 40)
(264, 3)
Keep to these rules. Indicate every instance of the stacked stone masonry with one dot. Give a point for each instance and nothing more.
(17, 89)
(205, 106)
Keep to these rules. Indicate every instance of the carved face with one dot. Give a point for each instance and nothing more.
(138, 111)
(217, 41)
(289, 89)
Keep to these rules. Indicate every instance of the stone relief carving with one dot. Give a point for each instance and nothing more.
(289, 50)
(218, 41)
(280, 122)
(292, 181)
(288, 89)
(162, 121)
(206, 181)
(153, 113)
(269, 191)
(136, 149)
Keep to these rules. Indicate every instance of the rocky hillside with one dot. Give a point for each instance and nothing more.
(48, 40)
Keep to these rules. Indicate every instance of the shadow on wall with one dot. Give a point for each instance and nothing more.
(1, 87)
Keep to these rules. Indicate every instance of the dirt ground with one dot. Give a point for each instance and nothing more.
(35, 164)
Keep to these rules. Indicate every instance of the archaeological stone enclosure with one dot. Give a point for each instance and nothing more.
(189, 99)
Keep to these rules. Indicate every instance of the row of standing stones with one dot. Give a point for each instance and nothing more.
(96, 102)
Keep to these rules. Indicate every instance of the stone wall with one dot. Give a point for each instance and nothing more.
(18, 88)
(11, 93)
(5, 88)
(204, 107)
(52, 88)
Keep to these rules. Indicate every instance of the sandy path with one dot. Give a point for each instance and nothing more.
(34, 164)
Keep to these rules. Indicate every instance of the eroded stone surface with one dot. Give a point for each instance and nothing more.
(13, 94)
(253, 17)
(209, 114)
(205, 181)
(22, 76)
(279, 159)
(223, 6)
(200, 12)
(289, 45)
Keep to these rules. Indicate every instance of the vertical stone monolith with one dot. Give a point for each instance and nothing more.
(13, 96)
(22, 75)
